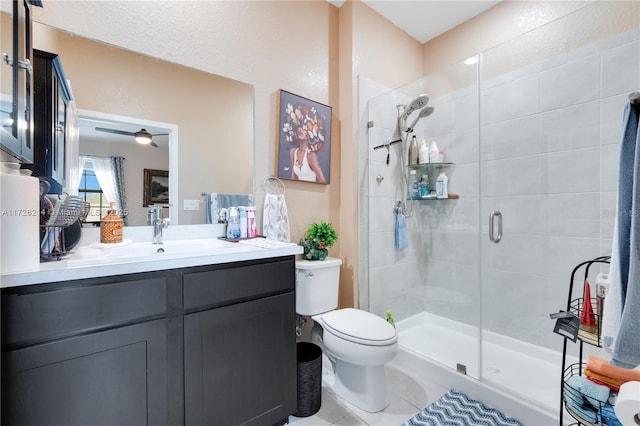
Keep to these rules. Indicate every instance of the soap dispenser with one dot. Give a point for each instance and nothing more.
(111, 226)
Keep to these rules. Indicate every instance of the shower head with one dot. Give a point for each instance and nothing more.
(424, 112)
(415, 104)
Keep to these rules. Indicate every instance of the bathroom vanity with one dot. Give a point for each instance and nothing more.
(207, 340)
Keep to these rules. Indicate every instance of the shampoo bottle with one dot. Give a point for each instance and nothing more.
(423, 154)
(434, 153)
(441, 186)
(413, 151)
(233, 226)
(111, 226)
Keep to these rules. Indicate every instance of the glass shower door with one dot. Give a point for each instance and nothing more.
(551, 103)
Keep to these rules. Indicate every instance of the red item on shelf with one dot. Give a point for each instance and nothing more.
(587, 317)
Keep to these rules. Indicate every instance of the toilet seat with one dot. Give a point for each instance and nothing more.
(360, 327)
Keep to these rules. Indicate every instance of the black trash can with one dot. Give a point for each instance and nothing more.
(309, 374)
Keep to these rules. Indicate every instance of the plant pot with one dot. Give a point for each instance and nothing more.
(314, 253)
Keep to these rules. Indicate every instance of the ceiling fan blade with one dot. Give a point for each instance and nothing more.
(117, 132)
(160, 134)
(152, 143)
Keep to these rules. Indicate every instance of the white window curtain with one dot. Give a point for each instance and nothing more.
(103, 168)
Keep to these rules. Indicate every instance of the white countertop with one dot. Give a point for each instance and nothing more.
(69, 268)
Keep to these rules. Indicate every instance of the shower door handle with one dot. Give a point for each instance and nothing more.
(495, 216)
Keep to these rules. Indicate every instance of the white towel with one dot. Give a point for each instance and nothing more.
(275, 219)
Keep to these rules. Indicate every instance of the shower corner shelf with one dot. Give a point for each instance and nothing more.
(599, 413)
(420, 166)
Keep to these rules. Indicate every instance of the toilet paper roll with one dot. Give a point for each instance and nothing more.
(628, 404)
(19, 223)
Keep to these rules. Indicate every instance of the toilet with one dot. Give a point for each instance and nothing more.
(356, 344)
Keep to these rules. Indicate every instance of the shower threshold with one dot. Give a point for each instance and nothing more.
(531, 373)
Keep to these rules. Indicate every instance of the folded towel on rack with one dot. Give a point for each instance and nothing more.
(602, 381)
(594, 393)
(401, 230)
(275, 219)
(618, 374)
(578, 405)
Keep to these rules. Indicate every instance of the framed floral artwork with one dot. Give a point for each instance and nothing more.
(303, 139)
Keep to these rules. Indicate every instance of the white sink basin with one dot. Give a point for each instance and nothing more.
(128, 251)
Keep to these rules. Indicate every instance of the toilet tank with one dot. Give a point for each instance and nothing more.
(317, 284)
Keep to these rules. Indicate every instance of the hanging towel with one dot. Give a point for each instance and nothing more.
(275, 219)
(401, 230)
(624, 338)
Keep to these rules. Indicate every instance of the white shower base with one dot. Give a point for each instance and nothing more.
(528, 372)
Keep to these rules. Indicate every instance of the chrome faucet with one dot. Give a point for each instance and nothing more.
(155, 219)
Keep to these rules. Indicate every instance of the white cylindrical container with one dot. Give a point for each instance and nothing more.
(441, 186)
(414, 193)
(434, 153)
(423, 154)
(19, 223)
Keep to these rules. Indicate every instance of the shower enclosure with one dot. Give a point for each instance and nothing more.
(530, 131)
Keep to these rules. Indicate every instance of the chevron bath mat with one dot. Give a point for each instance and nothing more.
(457, 409)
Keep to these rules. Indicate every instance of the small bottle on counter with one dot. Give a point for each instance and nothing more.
(233, 226)
(111, 226)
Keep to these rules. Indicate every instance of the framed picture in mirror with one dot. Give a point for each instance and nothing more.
(156, 187)
(303, 139)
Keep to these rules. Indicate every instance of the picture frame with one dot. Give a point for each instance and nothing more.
(155, 187)
(303, 139)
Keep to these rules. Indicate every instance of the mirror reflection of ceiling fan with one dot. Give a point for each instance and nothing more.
(142, 136)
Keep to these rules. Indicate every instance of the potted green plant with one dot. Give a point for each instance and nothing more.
(320, 236)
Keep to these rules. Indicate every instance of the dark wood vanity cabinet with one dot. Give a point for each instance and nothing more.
(209, 345)
(51, 99)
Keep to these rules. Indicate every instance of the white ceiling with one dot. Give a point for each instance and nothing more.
(427, 19)
(88, 133)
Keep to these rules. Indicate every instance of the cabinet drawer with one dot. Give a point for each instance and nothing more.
(245, 282)
(33, 317)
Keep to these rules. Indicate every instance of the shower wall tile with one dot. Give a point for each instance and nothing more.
(576, 126)
(466, 250)
(511, 138)
(562, 254)
(381, 214)
(512, 176)
(507, 297)
(391, 174)
(441, 242)
(465, 147)
(443, 118)
(520, 253)
(570, 84)
(571, 215)
(383, 249)
(520, 213)
(466, 112)
(620, 69)
(514, 99)
(609, 167)
(612, 113)
(607, 213)
(466, 214)
(464, 180)
(575, 170)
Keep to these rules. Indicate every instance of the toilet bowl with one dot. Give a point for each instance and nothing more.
(356, 343)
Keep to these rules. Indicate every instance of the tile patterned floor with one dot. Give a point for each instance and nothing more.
(408, 396)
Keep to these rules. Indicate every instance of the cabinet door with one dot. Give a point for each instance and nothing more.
(115, 377)
(240, 363)
(15, 85)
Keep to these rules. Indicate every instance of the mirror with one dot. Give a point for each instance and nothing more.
(209, 119)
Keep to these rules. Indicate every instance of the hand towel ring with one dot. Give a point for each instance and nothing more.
(273, 185)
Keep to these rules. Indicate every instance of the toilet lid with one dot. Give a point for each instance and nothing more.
(359, 326)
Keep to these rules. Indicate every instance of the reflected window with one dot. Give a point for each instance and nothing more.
(91, 192)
